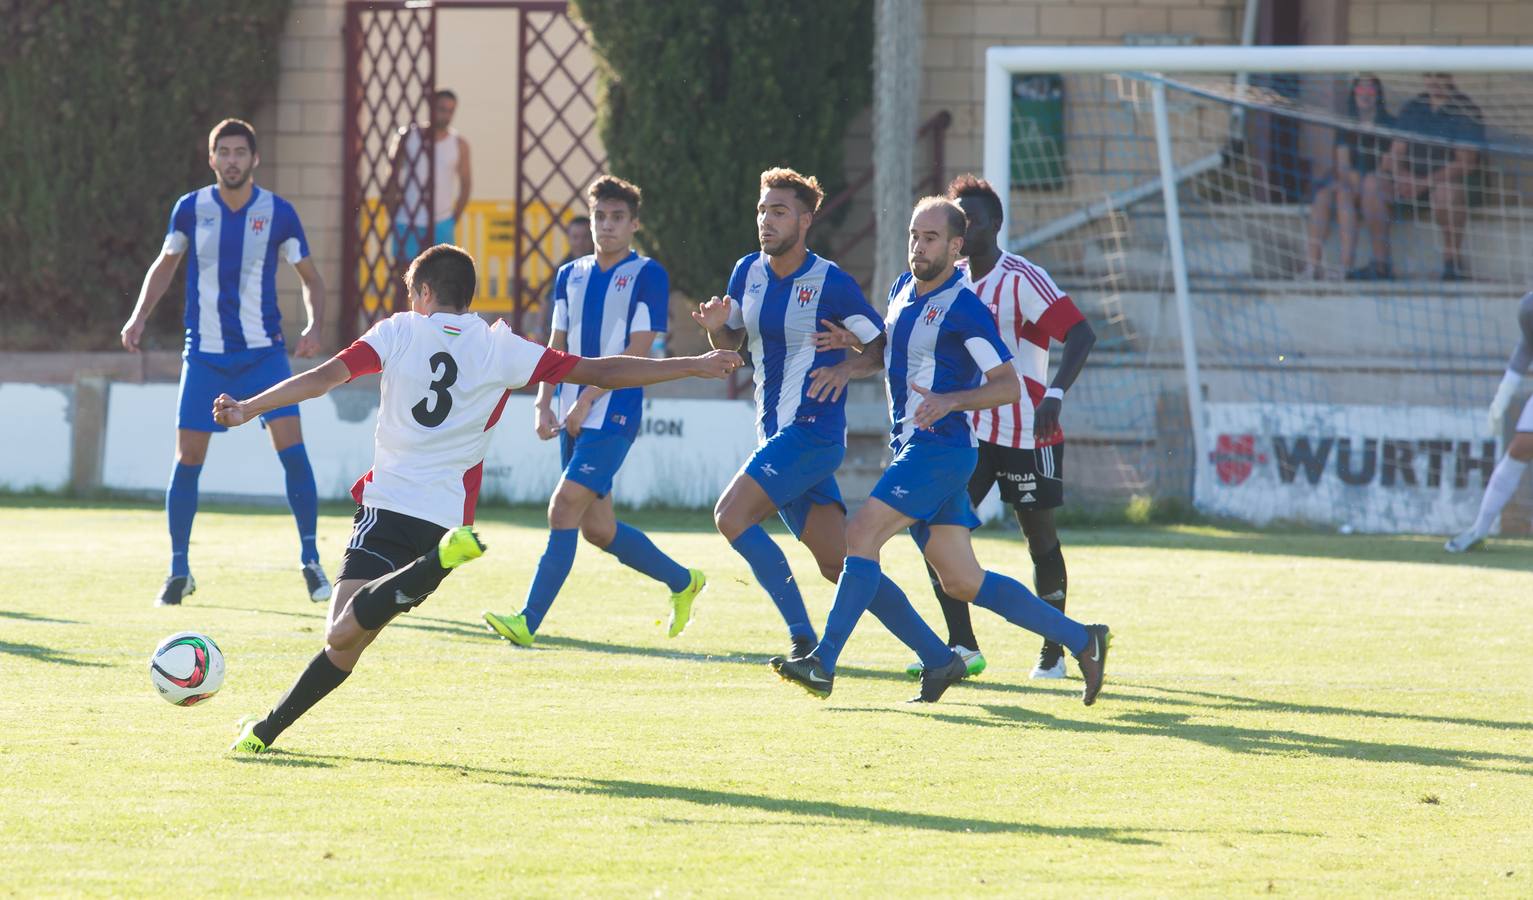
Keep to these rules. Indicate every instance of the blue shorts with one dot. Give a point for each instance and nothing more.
(407, 240)
(797, 470)
(592, 458)
(241, 374)
(929, 482)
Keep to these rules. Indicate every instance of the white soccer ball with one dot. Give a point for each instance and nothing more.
(187, 668)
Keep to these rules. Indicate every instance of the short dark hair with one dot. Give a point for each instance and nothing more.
(957, 222)
(611, 187)
(449, 270)
(444, 94)
(232, 128)
(971, 185)
(805, 187)
(578, 220)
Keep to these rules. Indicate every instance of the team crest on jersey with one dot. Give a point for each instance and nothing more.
(258, 224)
(933, 313)
(621, 281)
(806, 295)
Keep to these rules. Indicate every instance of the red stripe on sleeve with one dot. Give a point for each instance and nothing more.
(1060, 318)
(553, 366)
(361, 485)
(471, 481)
(360, 359)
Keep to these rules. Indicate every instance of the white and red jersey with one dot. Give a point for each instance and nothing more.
(446, 378)
(1029, 310)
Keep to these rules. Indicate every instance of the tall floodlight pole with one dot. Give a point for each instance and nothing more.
(896, 111)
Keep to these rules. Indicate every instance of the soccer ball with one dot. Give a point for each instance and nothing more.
(187, 668)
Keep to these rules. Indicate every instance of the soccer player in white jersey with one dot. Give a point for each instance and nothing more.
(610, 302)
(236, 234)
(1509, 471)
(1021, 446)
(943, 358)
(446, 379)
(786, 296)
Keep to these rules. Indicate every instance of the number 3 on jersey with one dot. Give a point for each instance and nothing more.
(432, 411)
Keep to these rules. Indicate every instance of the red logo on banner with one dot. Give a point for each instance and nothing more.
(1235, 456)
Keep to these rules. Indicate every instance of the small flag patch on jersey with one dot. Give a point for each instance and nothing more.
(452, 330)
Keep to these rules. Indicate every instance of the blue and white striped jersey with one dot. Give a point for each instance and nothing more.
(231, 277)
(780, 317)
(943, 341)
(598, 312)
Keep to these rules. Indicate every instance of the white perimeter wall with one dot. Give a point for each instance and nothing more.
(35, 447)
(688, 452)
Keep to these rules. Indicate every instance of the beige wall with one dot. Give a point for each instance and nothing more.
(1453, 22)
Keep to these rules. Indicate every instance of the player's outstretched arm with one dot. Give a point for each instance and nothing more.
(713, 316)
(632, 371)
(1001, 386)
(316, 382)
(156, 281)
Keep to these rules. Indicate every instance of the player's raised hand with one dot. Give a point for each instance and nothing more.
(132, 333)
(228, 411)
(714, 314)
(1046, 418)
(834, 337)
(545, 423)
(827, 383)
(717, 364)
(933, 407)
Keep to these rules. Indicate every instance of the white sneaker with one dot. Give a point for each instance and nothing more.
(1469, 539)
(1051, 662)
(314, 579)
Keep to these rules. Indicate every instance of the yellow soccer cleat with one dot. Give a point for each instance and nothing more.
(512, 628)
(459, 546)
(681, 602)
(247, 742)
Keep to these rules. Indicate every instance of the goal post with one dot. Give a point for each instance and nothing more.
(1185, 185)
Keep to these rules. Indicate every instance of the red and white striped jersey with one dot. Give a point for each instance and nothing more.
(446, 379)
(1029, 310)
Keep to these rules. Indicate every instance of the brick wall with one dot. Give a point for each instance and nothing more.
(300, 133)
(1452, 22)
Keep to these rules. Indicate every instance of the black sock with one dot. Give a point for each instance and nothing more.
(320, 678)
(378, 601)
(1049, 578)
(960, 629)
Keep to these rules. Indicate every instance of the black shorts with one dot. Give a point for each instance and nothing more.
(383, 541)
(1029, 478)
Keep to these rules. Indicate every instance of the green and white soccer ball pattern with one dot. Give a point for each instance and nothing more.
(187, 668)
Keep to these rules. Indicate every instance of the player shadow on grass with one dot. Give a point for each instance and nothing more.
(1262, 741)
(29, 617)
(708, 798)
(48, 655)
(1400, 548)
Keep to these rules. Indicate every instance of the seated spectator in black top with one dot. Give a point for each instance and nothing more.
(1437, 170)
(1355, 157)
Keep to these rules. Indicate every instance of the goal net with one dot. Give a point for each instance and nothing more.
(1345, 248)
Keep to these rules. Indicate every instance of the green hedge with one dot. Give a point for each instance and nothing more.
(105, 106)
(699, 96)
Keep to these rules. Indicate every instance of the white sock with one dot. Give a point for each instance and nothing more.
(1503, 484)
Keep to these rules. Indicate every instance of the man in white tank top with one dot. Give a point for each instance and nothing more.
(446, 379)
(445, 170)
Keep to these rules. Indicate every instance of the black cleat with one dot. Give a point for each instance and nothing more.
(315, 582)
(802, 647)
(806, 673)
(1093, 661)
(936, 681)
(176, 589)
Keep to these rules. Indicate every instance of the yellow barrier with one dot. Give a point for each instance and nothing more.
(487, 229)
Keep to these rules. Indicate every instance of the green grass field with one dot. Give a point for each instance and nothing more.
(1299, 714)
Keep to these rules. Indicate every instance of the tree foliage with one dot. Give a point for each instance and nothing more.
(697, 97)
(106, 107)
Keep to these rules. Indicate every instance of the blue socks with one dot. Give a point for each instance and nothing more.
(636, 551)
(770, 567)
(893, 608)
(855, 590)
(180, 510)
(553, 568)
(1016, 604)
(302, 498)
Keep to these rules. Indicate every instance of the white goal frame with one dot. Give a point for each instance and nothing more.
(1147, 62)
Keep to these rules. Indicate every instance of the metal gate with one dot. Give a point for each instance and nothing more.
(391, 51)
